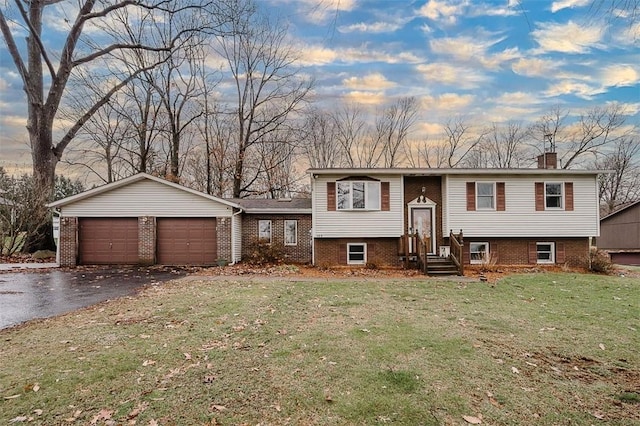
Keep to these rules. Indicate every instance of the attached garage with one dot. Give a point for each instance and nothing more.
(105, 241)
(186, 241)
(144, 219)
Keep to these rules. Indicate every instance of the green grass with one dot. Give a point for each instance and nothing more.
(549, 349)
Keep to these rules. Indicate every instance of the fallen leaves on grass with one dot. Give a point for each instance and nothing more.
(103, 414)
(473, 420)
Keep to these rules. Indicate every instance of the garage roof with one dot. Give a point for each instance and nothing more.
(274, 206)
(132, 179)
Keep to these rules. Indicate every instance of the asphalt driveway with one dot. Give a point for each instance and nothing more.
(45, 293)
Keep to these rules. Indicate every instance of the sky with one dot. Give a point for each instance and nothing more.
(488, 61)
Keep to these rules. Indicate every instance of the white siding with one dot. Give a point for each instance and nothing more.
(146, 198)
(359, 224)
(236, 237)
(520, 219)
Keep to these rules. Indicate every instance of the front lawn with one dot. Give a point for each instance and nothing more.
(545, 348)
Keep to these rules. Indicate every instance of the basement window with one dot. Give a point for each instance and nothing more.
(356, 254)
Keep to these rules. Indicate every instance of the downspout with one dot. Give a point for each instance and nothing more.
(233, 246)
(56, 212)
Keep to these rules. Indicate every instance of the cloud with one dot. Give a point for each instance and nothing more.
(473, 50)
(619, 75)
(535, 67)
(568, 4)
(368, 98)
(447, 101)
(575, 88)
(444, 11)
(319, 55)
(517, 98)
(376, 27)
(567, 38)
(374, 81)
(318, 11)
(445, 73)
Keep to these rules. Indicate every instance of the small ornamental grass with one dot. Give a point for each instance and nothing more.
(541, 348)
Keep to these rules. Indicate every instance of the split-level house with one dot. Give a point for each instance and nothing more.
(504, 216)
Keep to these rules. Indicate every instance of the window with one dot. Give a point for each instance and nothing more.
(478, 252)
(290, 232)
(357, 195)
(264, 231)
(356, 254)
(545, 252)
(485, 195)
(553, 195)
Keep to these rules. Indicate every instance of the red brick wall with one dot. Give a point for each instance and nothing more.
(68, 241)
(147, 240)
(223, 238)
(515, 251)
(381, 252)
(300, 253)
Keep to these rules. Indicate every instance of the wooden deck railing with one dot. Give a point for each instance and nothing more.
(456, 243)
(413, 245)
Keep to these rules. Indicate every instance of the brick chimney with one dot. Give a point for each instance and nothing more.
(548, 160)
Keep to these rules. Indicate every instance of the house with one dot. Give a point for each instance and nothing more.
(147, 220)
(504, 216)
(620, 234)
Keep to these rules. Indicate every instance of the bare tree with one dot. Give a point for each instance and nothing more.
(350, 129)
(505, 146)
(392, 128)
(44, 94)
(622, 185)
(319, 140)
(268, 85)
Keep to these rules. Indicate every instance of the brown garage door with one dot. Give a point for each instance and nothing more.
(109, 241)
(186, 241)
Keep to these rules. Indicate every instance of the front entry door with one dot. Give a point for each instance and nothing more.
(421, 221)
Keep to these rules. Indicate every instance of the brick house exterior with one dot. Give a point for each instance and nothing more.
(507, 216)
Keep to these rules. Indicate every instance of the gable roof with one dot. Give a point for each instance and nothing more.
(409, 171)
(274, 206)
(132, 179)
(620, 209)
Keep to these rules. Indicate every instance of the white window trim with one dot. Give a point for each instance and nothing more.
(295, 242)
(270, 231)
(486, 253)
(367, 203)
(356, 262)
(561, 196)
(493, 196)
(552, 245)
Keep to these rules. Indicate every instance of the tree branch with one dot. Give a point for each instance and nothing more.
(33, 33)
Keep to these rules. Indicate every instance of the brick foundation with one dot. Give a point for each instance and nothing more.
(381, 252)
(515, 251)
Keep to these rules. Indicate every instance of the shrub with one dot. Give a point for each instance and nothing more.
(265, 253)
(599, 261)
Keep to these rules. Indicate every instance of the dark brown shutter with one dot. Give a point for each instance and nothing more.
(533, 252)
(540, 196)
(385, 201)
(471, 196)
(500, 197)
(568, 196)
(560, 257)
(342, 254)
(331, 196)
